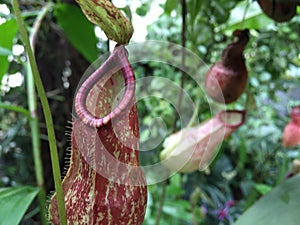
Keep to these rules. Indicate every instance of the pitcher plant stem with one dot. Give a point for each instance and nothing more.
(47, 114)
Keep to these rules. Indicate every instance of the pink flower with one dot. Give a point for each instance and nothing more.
(222, 214)
(230, 203)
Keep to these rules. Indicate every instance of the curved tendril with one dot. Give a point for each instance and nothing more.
(118, 60)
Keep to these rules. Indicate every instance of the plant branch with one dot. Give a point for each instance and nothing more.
(161, 202)
(183, 43)
(34, 121)
(182, 66)
(37, 24)
(47, 114)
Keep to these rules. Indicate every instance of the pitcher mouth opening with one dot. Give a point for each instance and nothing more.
(117, 62)
(295, 111)
(229, 119)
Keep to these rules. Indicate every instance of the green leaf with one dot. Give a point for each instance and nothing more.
(221, 14)
(143, 9)
(279, 206)
(170, 5)
(8, 31)
(194, 7)
(79, 31)
(179, 209)
(15, 108)
(14, 203)
(254, 22)
(127, 12)
(262, 188)
(250, 102)
(255, 18)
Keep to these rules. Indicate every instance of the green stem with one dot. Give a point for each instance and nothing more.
(37, 23)
(36, 144)
(47, 114)
(161, 202)
(34, 121)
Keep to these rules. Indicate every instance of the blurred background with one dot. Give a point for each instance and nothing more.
(248, 165)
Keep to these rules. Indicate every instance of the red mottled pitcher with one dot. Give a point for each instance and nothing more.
(291, 133)
(194, 148)
(104, 184)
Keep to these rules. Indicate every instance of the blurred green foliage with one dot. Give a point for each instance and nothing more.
(249, 164)
(252, 161)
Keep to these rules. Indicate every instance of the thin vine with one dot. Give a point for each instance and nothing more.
(47, 114)
(34, 120)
